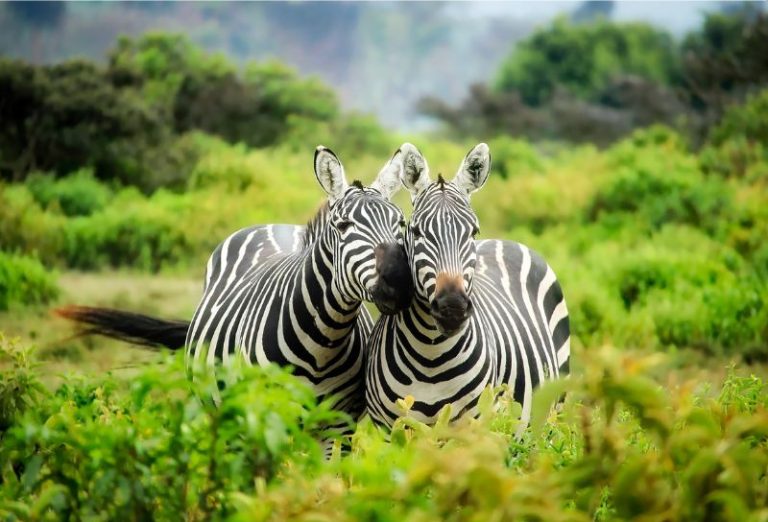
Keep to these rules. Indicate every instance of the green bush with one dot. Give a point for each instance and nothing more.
(705, 298)
(748, 120)
(144, 233)
(659, 183)
(27, 228)
(77, 194)
(24, 281)
(513, 157)
(151, 448)
(623, 446)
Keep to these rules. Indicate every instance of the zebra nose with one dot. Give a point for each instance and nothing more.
(450, 310)
(394, 287)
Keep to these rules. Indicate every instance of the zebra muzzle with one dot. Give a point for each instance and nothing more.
(394, 285)
(451, 306)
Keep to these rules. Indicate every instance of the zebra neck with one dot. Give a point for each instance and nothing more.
(316, 295)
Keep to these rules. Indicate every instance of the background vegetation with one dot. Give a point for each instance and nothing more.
(635, 163)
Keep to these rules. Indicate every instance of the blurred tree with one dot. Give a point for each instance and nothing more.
(724, 62)
(63, 117)
(23, 89)
(123, 120)
(195, 90)
(485, 113)
(584, 58)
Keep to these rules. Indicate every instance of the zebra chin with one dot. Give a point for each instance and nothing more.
(450, 326)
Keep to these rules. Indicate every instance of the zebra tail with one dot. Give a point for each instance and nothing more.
(127, 326)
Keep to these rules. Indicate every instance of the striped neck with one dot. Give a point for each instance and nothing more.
(316, 296)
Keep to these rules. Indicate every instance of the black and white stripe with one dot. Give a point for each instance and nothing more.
(291, 296)
(486, 312)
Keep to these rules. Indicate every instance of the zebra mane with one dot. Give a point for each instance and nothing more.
(358, 184)
(315, 225)
(441, 181)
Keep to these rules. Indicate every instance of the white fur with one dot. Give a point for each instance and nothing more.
(388, 180)
(474, 169)
(415, 174)
(330, 173)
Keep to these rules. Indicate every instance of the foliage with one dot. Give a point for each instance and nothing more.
(622, 448)
(659, 184)
(20, 387)
(746, 121)
(149, 448)
(24, 281)
(200, 92)
(78, 194)
(626, 443)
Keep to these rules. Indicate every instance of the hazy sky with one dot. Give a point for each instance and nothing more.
(675, 16)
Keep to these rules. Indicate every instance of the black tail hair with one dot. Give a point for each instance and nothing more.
(127, 326)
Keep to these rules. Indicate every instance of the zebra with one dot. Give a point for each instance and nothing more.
(292, 296)
(485, 312)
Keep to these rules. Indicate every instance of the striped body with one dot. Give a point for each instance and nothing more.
(484, 313)
(518, 335)
(293, 296)
(259, 303)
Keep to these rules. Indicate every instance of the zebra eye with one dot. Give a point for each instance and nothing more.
(415, 231)
(344, 225)
(475, 231)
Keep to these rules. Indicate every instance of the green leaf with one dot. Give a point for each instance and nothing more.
(31, 471)
(543, 400)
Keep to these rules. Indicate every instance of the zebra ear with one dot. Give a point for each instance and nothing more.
(474, 169)
(415, 173)
(388, 180)
(330, 173)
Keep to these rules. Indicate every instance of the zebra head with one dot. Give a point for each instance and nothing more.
(366, 234)
(440, 239)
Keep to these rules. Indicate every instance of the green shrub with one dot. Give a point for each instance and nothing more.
(78, 194)
(622, 446)
(20, 386)
(736, 158)
(697, 293)
(144, 233)
(748, 121)
(150, 449)
(232, 167)
(660, 184)
(24, 281)
(512, 157)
